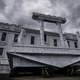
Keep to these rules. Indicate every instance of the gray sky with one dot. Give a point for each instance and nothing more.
(20, 12)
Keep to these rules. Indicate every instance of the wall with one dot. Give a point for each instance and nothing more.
(7, 44)
(27, 39)
(17, 61)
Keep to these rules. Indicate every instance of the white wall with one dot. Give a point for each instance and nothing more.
(17, 61)
(6, 45)
(27, 39)
(50, 41)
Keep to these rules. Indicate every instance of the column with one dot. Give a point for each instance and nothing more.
(42, 33)
(78, 39)
(20, 35)
(61, 35)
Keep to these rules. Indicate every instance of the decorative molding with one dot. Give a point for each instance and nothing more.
(10, 27)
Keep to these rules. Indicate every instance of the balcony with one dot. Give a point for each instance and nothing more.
(19, 48)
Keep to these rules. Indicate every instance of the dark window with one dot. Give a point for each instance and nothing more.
(68, 42)
(16, 38)
(1, 51)
(32, 39)
(3, 38)
(75, 44)
(45, 37)
(55, 42)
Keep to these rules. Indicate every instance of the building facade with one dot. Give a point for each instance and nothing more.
(8, 36)
(31, 50)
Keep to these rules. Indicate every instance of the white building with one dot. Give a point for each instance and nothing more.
(31, 49)
(8, 36)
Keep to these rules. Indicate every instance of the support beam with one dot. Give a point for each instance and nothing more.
(61, 35)
(78, 38)
(20, 35)
(51, 19)
(42, 33)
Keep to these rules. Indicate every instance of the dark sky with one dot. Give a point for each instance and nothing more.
(20, 12)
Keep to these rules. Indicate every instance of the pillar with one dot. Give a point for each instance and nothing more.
(61, 35)
(78, 39)
(42, 33)
(20, 35)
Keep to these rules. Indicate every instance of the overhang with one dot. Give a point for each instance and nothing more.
(57, 61)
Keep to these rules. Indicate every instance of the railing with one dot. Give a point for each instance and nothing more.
(4, 61)
(43, 49)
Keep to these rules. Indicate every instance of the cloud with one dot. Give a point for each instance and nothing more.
(3, 18)
(41, 6)
(20, 12)
(2, 5)
(19, 9)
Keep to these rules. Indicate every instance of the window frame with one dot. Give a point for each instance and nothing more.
(3, 36)
(75, 44)
(32, 40)
(16, 38)
(68, 42)
(55, 41)
(45, 38)
(2, 51)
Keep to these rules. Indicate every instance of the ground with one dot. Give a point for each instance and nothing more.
(41, 78)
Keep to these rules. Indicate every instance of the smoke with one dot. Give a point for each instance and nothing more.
(20, 12)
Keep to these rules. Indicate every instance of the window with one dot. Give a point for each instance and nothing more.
(68, 42)
(3, 38)
(75, 44)
(1, 51)
(32, 39)
(55, 42)
(45, 37)
(16, 38)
